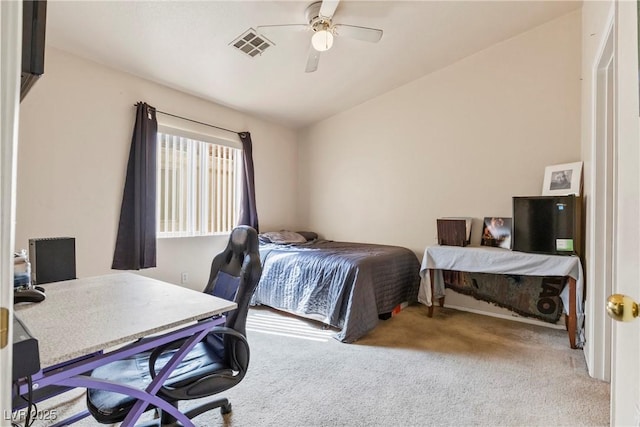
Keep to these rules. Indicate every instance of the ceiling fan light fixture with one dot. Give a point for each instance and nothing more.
(322, 40)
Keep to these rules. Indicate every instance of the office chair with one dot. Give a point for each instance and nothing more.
(217, 363)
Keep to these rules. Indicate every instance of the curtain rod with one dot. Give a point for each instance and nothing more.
(194, 121)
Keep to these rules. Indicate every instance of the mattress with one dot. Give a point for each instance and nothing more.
(345, 285)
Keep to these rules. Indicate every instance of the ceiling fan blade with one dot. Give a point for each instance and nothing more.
(328, 8)
(359, 33)
(277, 29)
(312, 61)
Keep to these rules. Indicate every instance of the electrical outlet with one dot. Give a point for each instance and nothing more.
(184, 277)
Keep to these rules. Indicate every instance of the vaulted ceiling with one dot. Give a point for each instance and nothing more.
(187, 45)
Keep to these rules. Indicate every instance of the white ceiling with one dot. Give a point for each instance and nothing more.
(186, 45)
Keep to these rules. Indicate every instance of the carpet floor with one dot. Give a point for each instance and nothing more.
(455, 369)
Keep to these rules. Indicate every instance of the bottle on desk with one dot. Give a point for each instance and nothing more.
(23, 289)
(21, 270)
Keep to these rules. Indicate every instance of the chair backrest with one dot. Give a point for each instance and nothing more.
(239, 262)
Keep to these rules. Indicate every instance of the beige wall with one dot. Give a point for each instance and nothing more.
(458, 142)
(75, 133)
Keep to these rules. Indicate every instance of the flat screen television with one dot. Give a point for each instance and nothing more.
(34, 17)
(547, 225)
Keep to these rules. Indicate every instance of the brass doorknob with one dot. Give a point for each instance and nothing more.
(622, 308)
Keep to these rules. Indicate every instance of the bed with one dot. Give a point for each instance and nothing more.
(344, 285)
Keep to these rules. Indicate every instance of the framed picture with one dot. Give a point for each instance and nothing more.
(562, 180)
(496, 231)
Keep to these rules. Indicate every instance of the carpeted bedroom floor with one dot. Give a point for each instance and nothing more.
(456, 369)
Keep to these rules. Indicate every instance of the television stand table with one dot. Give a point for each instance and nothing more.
(484, 259)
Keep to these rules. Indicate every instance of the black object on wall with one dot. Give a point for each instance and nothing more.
(52, 259)
(548, 225)
(34, 17)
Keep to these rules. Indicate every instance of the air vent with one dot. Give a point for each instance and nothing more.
(251, 43)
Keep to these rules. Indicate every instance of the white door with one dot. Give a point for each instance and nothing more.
(10, 54)
(625, 368)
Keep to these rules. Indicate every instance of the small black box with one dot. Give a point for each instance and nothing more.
(26, 355)
(52, 259)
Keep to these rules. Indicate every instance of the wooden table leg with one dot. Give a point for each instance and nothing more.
(430, 309)
(572, 318)
(433, 299)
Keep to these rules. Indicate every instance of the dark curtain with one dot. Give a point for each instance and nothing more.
(248, 211)
(136, 241)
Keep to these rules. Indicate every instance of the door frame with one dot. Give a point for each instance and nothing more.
(601, 207)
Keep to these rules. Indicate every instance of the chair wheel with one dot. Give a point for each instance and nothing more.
(225, 409)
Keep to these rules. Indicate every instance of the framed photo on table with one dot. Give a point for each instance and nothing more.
(562, 180)
(496, 231)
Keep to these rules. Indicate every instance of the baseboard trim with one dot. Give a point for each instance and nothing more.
(514, 317)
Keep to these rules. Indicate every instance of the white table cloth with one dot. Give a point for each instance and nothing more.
(485, 259)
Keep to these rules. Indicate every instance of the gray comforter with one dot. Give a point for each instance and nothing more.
(346, 285)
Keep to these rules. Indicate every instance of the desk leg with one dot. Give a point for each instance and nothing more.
(572, 318)
(430, 309)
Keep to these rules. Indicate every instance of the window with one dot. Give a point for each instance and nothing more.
(198, 186)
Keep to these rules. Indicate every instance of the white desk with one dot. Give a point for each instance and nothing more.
(484, 259)
(84, 316)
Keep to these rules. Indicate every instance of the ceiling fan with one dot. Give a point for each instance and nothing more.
(319, 18)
